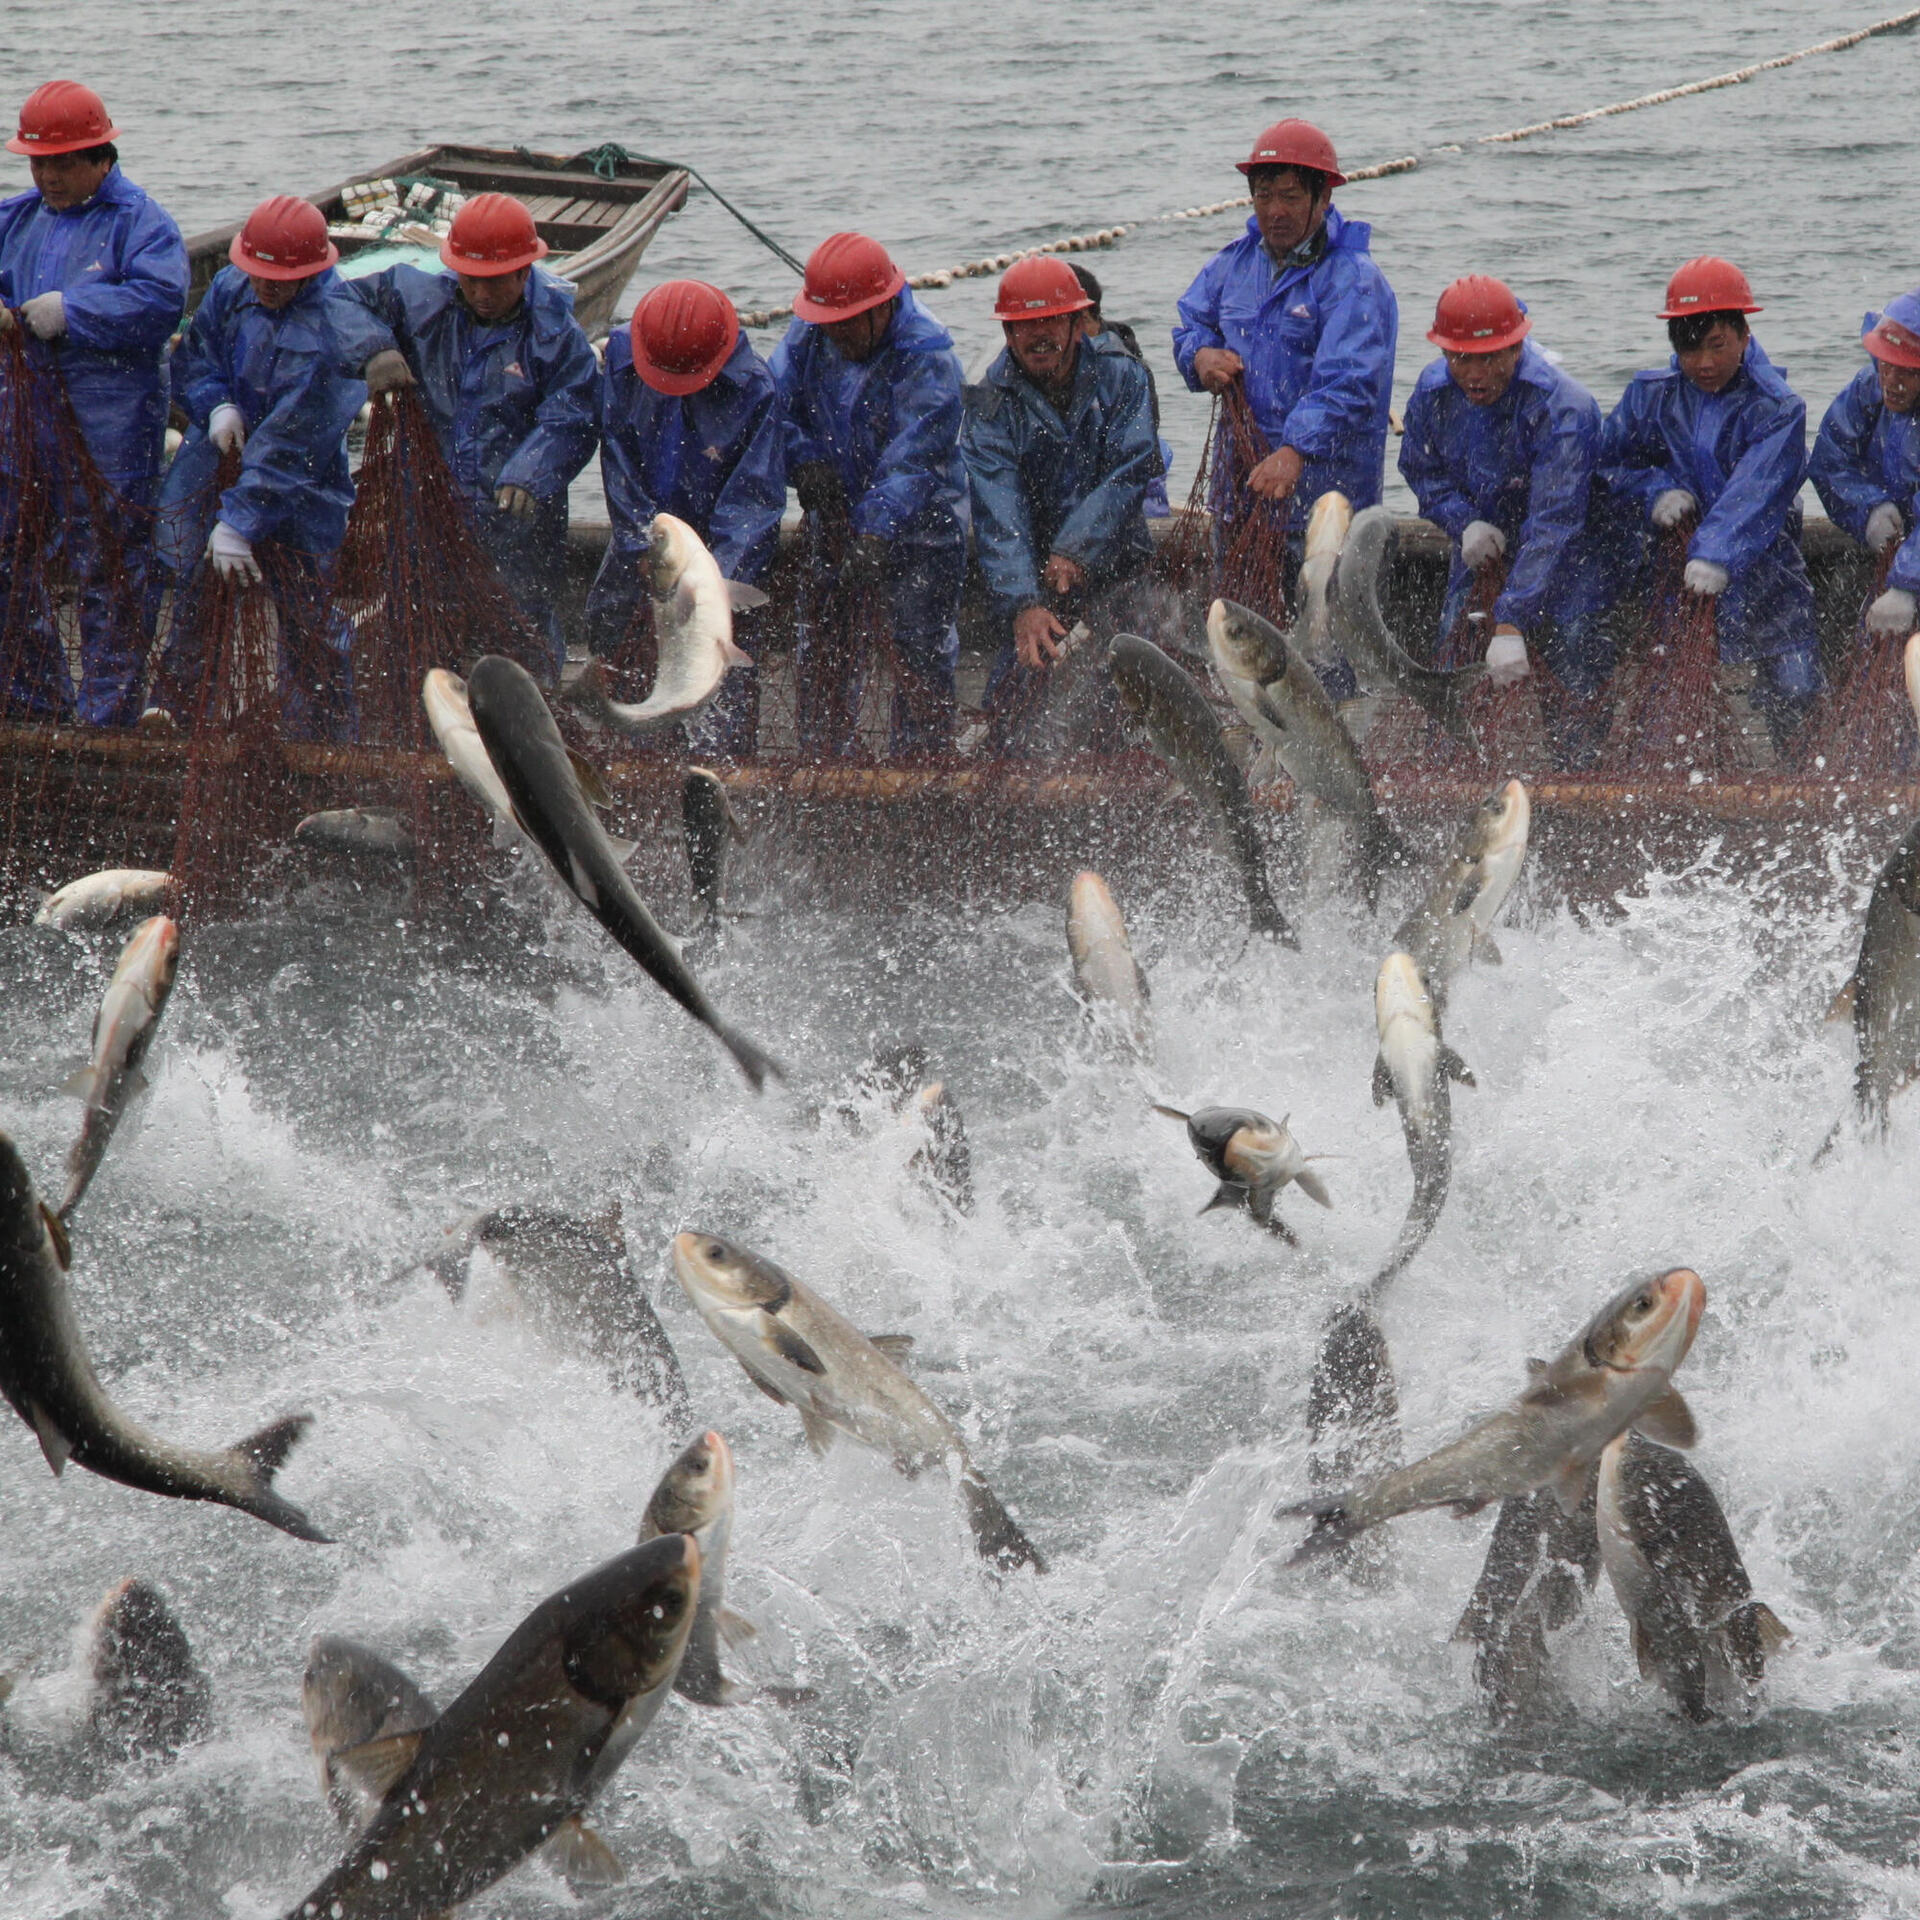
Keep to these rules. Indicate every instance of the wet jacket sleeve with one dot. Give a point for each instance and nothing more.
(1131, 458)
(199, 363)
(141, 307)
(789, 364)
(1752, 509)
(566, 419)
(1841, 463)
(744, 526)
(287, 448)
(380, 294)
(1633, 452)
(1423, 466)
(1200, 318)
(1352, 366)
(1558, 486)
(926, 434)
(1002, 527)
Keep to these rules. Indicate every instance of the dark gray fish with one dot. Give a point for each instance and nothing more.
(1698, 1632)
(532, 761)
(50, 1383)
(1353, 1407)
(351, 1696)
(149, 1696)
(522, 1749)
(710, 827)
(1163, 698)
(1253, 1158)
(1885, 988)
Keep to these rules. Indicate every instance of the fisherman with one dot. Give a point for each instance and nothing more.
(269, 371)
(95, 273)
(1499, 451)
(1297, 311)
(871, 385)
(690, 424)
(1866, 460)
(1719, 434)
(1060, 451)
(1093, 322)
(510, 383)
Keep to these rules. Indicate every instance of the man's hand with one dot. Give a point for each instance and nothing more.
(1277, 475)
(227, 427)
(1673, 506)
(1707, 578)
(1507, 655)
(6, 320)
(1885, 525)
(232, 555)
(1061, 576)
(1036, 637)
(1217, 368)
(46, 314)
(388, 371)
(866, 562)
(516, 501)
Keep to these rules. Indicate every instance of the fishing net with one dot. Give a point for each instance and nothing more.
(1864, 725)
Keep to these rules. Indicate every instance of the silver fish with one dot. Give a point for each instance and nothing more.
(797, 1350)
(1450, 924)
(1327, 527)
(1252, 1157)
(1111, 986)
(49, 1382)
(98, 899)
(1616, 1373)
(695, 1495)
(444, 695)
(369, 833)
(1884, 991)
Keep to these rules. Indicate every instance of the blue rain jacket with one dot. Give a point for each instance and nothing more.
(1863, 454)
(890, 425)
(516, 404)
(1742, 453)
(119, 263)
(1525, 464)
(1317, 342)
(1045, 483)
(295, 376)
(715, 459)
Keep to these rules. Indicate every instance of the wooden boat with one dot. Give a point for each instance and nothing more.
(597, 212)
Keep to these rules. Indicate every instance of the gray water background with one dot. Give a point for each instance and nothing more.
(1169, 1723)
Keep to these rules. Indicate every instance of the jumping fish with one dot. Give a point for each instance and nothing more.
(709, 825)
(367, 833)
(1360, 630)
(98, 899)
(1884, 991)
(1414, 1066)
(444, 695)
(123, 1030)
(695, 1496)
(1698, 1632)
(797, 1350)
(1451, 923)
(1616, 1373)
(521, 1751)
(533, 764)
(1252, 1157)
(1111, 986)
(945, 1163)
(1327, 526)
(692, 629)
(1910, 660)
(1162, 697)
(1353, 1408)
(1280, 697)
(49, 1382)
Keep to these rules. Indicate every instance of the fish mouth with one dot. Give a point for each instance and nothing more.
(1667, 1338)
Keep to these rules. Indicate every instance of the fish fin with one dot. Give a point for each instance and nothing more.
(735, 1628)
(376, 1766)
(1279, 1228)
(593, 783)
(581, 881)
(896, 1346)
(733, 653)
(1569, 1485)
(262, 1455)
(1333, 1527)
(757, 1064)
(1313, 1186)
(1768, 1628)
(1485, 951)
(1170, 1113)
(791, 1348)
(996, 1534)
(1643, 1651)
(1454, 1067)
(79, 1083)
(1226, 1195)
(1538, 1369)
(788, 1696)
(820, 1433)
(743, 598)
(581, 1858)
(773, 1393)
(623, 850)
(1840, 1007)
(1382, 1080)
(1669, 1420)
(57, 1233)
(53, 1443)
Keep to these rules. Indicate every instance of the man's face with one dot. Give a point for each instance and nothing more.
(1044, 348)
(1483, 377)
(1286, 211)
(490, 297)
(1899, 386)
(68, 179)
(1716, 359)
(275, 294)
(859, 338)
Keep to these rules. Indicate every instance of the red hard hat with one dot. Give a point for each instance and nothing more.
(62, 117)
(1478, 314)
(492, 234)
(683, 333)
(1894, 336)
(1038, 289)
(284, 239)
(1295, 143)
(846, 274)
(1708, 285)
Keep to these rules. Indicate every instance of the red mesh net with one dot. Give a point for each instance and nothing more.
(1864, 725)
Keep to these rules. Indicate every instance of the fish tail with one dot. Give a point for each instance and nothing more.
(1263, 912)
(996, 1533)
(755, 1062)
(1453, 704)
(259, 1457)
(1333, 1528)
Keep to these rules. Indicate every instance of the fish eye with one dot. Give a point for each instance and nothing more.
(1643, 1303)
(716, 1250)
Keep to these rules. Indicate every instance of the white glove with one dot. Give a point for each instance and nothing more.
(1673, 506)
(1707, 578)
(227, 427)
(1885, 525)
(1506, 657)
(1482, 541)
(232, 554)
(46, 314)
(1893, 612)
